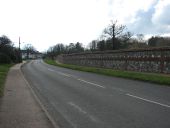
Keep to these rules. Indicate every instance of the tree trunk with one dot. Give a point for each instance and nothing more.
(113, 37)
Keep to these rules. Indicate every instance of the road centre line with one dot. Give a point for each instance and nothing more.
(97, 85)
(64, 74)
(92, 118)
(118, 89)
(77, 107)
(91, 83)
(50, 70)
(150, 101)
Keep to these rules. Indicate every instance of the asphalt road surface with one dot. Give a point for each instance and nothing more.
(76, 99)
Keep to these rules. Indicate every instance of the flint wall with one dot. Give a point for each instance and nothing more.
(144, 60)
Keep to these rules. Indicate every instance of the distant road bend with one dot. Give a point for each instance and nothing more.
(76, 99)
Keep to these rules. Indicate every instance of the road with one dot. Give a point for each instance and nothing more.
(76, 99)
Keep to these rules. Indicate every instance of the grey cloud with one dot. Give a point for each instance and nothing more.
(163, 18)
(146, 23)
(143, 24)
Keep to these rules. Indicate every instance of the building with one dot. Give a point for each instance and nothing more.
(26, 54)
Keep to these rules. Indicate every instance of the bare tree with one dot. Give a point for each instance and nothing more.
(140, 37)
(113, 31)
(93, 45)
(127, 36)
(29, 48)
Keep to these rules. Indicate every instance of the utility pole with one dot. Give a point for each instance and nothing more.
(20, 56)
(19, 43)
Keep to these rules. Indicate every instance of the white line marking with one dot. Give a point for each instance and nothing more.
(91, 83)
(68, 75)
(118, 89)
(67, 118)
(50, 70)
(40, 103)
(64, 74)
(92, 118)
(77, 107)
(164, 105)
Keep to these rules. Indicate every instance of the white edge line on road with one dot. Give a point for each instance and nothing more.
(91, 83)
(39, 102)
(164, 105)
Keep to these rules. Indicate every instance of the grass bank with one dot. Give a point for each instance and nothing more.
(4, 68)
(149, 77)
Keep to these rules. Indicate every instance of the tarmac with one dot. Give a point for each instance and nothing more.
(19, 107)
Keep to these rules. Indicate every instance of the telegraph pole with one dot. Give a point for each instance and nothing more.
(19, 43)
(20, 56)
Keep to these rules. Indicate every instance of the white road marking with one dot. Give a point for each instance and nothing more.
(50, 70)
(67, 118)
(164, 105)
(91, 83)
(61, 73)
(68, 75)
(92, 118)
(118, 89)
(64, 74)
(77, 107)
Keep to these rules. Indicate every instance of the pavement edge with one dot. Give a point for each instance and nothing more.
(38, 100)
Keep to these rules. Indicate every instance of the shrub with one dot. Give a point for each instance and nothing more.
(4, 59)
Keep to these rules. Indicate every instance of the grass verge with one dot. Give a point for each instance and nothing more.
(4, 68)
(149, 77)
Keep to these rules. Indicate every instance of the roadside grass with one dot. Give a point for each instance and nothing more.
(148, 77)
(4, 68)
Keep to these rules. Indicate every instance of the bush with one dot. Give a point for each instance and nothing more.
(4, 59)
(4, 68)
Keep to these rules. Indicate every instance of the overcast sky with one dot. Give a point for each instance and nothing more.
(44, 23)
